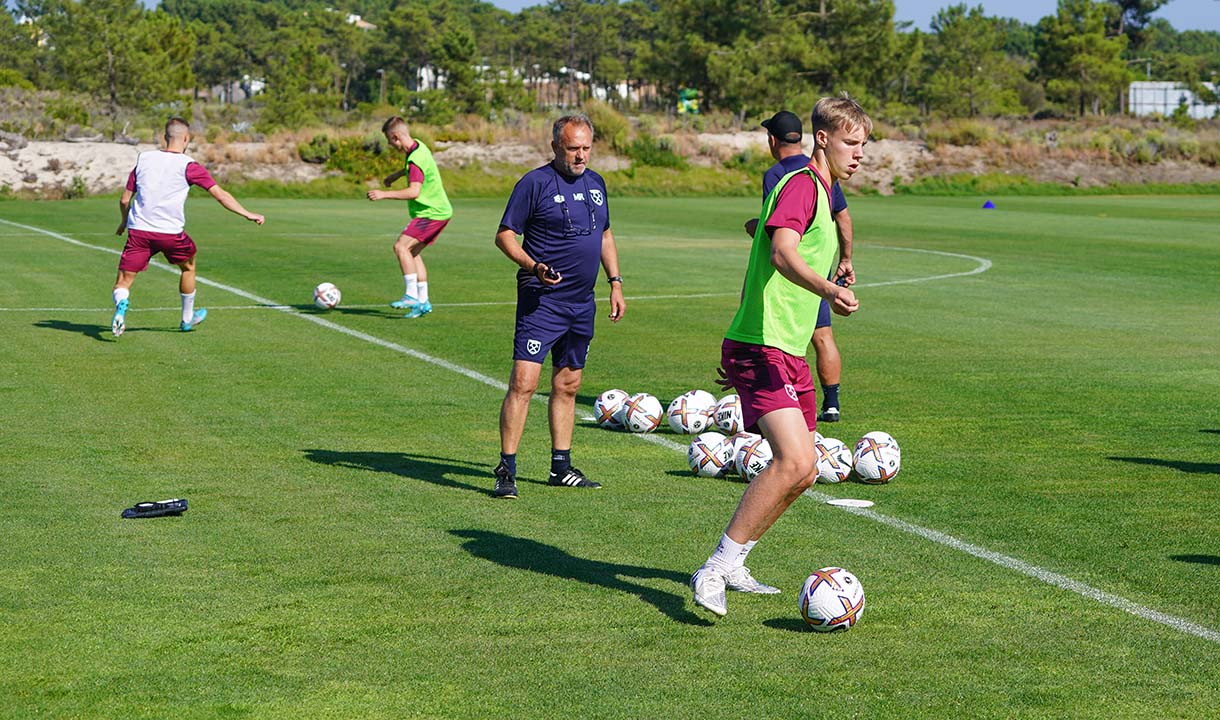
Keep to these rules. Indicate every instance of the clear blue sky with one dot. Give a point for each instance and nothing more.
(1182, 14)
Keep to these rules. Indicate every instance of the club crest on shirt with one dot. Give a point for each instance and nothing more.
(597, 196)
(558, 198)
(533, 346)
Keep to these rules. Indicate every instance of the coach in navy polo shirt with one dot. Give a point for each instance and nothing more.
(561, 211)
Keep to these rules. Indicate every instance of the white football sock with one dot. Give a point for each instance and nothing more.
(423, 291)
(729, 555)
(188, 307)
(412, 285)
(120, 294)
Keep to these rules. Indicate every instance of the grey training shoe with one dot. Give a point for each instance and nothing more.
(742, 581)
(708, 584)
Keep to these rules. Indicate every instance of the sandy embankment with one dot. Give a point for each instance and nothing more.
(51, 167)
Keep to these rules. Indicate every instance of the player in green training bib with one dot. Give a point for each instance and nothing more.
(428, 206)
(763, 354)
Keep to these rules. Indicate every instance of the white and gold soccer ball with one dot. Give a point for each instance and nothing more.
(834, 460)
(877, 458)
(753, 457)
(607, 407)
(710, 455)
(831, 599)
(691, 412)
(642, 413)
(326, 296)
(728, 414)
(738, 441)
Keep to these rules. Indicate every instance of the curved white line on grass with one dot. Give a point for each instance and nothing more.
(983, 266)
(1005, 561)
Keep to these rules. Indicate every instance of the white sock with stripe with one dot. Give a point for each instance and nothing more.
(188, 307)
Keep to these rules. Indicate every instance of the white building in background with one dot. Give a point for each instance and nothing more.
(1147, 98)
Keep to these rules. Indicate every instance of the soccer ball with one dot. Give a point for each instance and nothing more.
(641, 413)
(831, 599)
(753, 458)
(326, 296)
(606, 408)
(817, 437)
(728, 414)
(834, 460)
(877, 458)
(710, 455)
(737, 441)
(691, 412)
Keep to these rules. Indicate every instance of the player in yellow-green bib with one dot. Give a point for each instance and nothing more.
(763, 355)
(428, 206)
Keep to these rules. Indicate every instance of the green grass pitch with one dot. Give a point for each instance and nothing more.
(1055, 397)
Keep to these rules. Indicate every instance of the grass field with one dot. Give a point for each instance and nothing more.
(1055, 397)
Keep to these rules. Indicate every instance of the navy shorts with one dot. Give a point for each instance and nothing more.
(823, 315)
(564, 330)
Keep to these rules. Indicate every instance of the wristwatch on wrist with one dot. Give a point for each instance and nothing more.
(615, 279)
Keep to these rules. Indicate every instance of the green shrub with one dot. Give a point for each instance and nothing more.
(655, 152)
(609, 125)
(434, 107)
(751, 162)
(318, 150)
(69, 111)
(364, 158)
(77, 189)
(12, 78)
(1209, 153)
(960, 132)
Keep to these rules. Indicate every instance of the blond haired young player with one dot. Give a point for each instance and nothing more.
(763, 354)
(428, 206)
(153, 207)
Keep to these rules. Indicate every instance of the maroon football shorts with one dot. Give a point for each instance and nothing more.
(142, 245)
(424, 230)
(768, 379)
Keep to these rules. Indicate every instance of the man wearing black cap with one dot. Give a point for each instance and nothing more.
(784, 140)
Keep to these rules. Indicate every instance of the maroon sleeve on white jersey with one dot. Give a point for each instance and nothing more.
(197, 174)
(131, 181)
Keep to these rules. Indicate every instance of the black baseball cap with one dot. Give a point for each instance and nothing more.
(785, 126)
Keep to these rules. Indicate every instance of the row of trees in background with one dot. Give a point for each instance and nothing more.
(441, 57)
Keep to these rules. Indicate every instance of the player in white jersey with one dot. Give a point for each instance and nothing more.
(154, 216)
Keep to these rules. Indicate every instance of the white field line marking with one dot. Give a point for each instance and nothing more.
(1060, 581)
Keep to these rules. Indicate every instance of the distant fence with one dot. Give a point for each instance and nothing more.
(1147, 98)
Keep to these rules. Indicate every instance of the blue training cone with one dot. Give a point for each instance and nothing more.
(989, 205)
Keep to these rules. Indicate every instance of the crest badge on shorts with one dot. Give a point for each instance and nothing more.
(533, 346)
(791, 391)
(598, 198)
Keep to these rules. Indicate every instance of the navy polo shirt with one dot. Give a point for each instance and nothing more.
(771, 178)
(561, 220)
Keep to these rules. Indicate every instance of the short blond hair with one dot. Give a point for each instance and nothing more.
(840, 113)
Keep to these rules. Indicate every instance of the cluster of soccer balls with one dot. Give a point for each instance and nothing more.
(729, 450)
